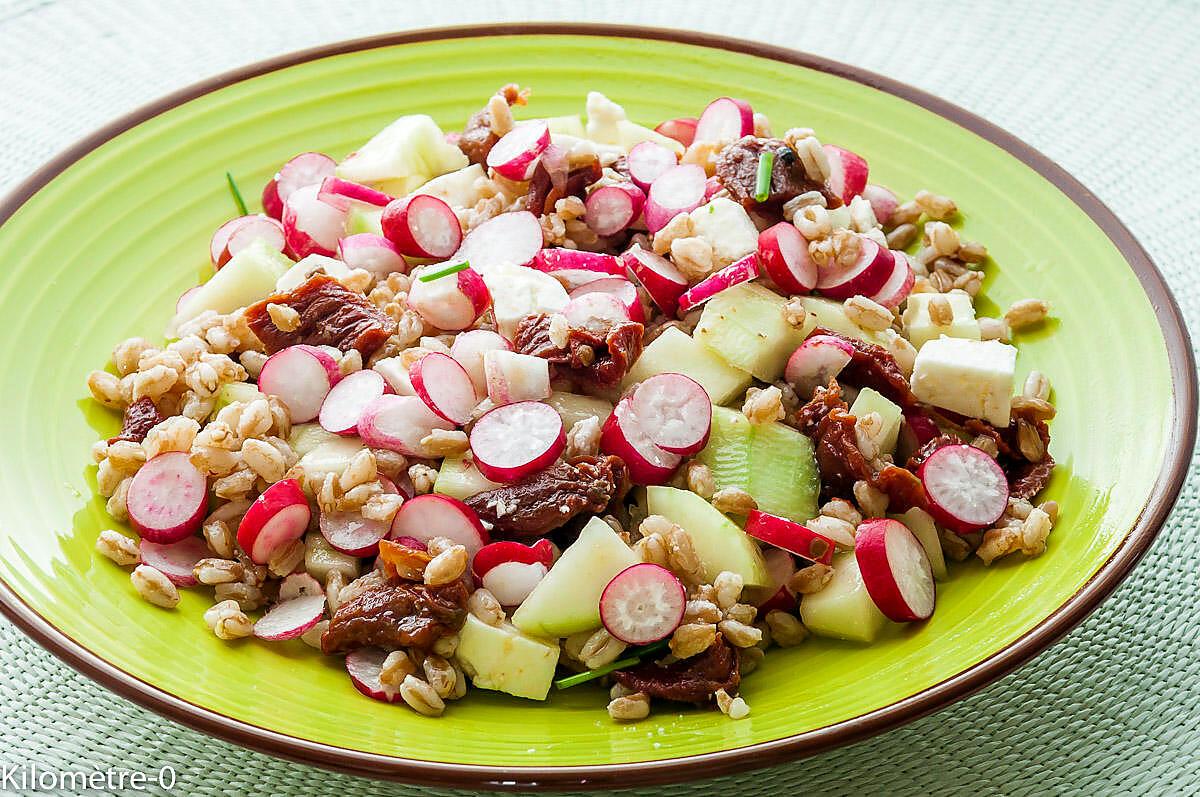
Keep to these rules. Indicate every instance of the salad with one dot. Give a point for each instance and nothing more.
(567, 400)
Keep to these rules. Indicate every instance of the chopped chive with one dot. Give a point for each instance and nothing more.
(712, 208)
(453, 268)
(637, 654)
(762, 182)
(237, 195)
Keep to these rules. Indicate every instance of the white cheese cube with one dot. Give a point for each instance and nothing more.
(970, 377)
(602, 117)
(726, 226)
(920, 327)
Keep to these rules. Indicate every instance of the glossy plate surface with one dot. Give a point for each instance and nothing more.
(100, 243)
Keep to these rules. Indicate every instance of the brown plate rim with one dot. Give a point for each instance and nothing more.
(1052, 628)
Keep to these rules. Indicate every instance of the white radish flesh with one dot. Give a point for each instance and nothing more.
(234, 236)
(612, 208)
(883, 202)
(515, 154)
(511, 582)
(815, 362)
(372, 253)
(864, 277)
(967, 489)
(514, 238)
(310, 225)
(276, 517)
(176, 561)
(340, 193)
(431, 515)
(497, 553)
(783, 253)
(345, 402)
(676, 411)
(296, 585)
(658, 276)
(625, 436)
(364, 667)
(596, 312)
(513, 377)
(516, 440)
(299, 377)
(621, 289)
(898, 285)
(353, 534)
(647, 161)
(393, 371)
(680, 189)
(400, 423)
(895, 570)
(725, 119)
(307, 168)
(167, 498)
(444, 386)
(451, 302)
(422, 226)
(743, 270)
(291, 618)
(682, 129)
(470, 347)
(847, 172)
(642, 604)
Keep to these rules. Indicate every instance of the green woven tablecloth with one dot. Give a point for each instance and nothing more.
(1109, 90)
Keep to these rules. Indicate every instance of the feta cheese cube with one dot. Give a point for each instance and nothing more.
(602, 117)
(869, 400)
(971, 377)
(726, 226)
(920, 327)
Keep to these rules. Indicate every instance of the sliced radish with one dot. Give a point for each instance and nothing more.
(895, 570)
(658, 276)
(624, 291)
(470, 347)
(365, 666)
(967, 490)
(817, 360)
(847, 173)
(183, 297)
(780, 569)
(372, 253)
(682, 129)
(310, 225)
(647, 160)
(515, 155)
(642, 604)
(790, 536)
(344, 404)
(272, 204)
(452, 302)
(307, 168)
(353, 534)
(235, 235)
(612, 208)
(296, 585)
(516, 440)
(680, 189)
(883, 202)
(899, 284)
(508, 238)
(411, 542)
(783, 254)
(864, 277)
(625, 436)
(176, 561)
(496, 553)
(513, 377)
(167, 498)
(422, 226)
(300, 377)
(400, 423)
(432, 515)
(725, 119)
(574, 267)
(444, 386)
(291, 618)
(676, 411)
(922, 427)
(276, 517)
(511, 582)
(743, 270)
(597, 312)
(340, 193)
(711, 186)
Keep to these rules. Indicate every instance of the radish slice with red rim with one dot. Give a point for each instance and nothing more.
(895, 570)
(307, 168)
(167, 498)
(432, 515)
(312, 227)
(400, 423)
(899, 284)
(783, 253)
(372, 253)
(676, 411)
(624, 435)
(647, 161)
(513, 377)
(725, 119)
(276, 517)
(176, 561)
(422, 226)
(469, 348)
(364, 666)
(508, 238)
(680, 189)
(291, 618)
(515, 154)
(967, 489)
(495, 553)
(300, 377)
(340, 193)
(743, 270)
(847, 172)
(883, 202)
(235, 235)
(612, 208)
(516, 440)
(453, 301)
(353, 534)
(642, 604)
(624, 291)
(815, 361)
(596, 312)
(344, 405)
(790, 536)
(575, 268)
(658, 276)
(864, 277)
(511, 582)
(682, 129)
(444, 386)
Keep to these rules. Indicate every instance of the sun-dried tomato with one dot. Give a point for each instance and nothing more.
(397, 614)
(140, 417)
(543, 194)
(595, 360)
(737, 171)
(477, 138)
(872, 366)
(330, 315)
(692, 680)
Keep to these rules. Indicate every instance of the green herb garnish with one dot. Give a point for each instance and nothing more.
(237, 195)
(762, 182)
(453, 268)
(636, 656)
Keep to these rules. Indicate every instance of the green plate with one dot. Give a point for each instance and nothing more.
(99, 243)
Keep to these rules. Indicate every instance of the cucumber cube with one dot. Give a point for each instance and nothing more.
(843, 609)
(745, 326)
(719, 543)
(674, 351)
(869, 400)
(502, 658)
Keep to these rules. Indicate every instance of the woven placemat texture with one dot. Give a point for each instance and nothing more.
(1109, 90)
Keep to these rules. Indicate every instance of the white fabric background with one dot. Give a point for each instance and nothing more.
(1109, 90)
